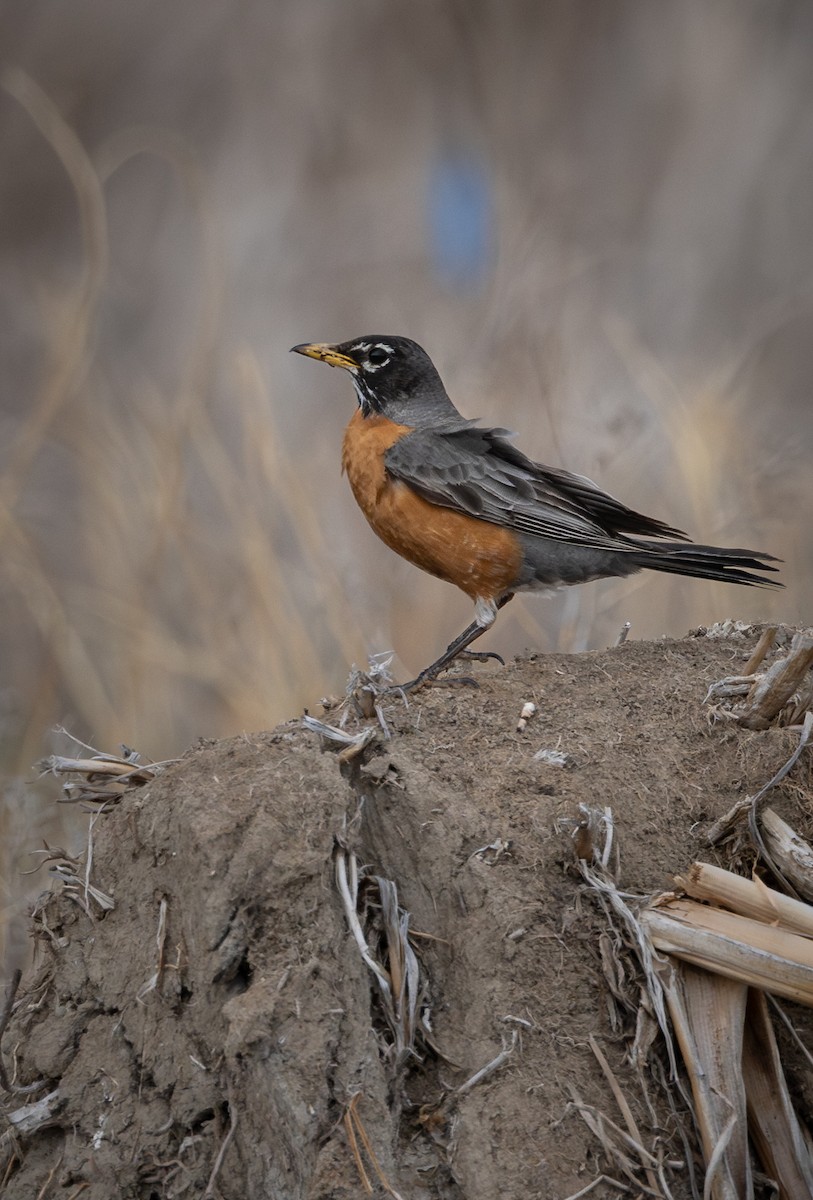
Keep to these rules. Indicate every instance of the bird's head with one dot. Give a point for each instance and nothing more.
(393, 376)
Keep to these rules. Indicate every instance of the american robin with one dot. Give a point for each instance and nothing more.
(462, 503)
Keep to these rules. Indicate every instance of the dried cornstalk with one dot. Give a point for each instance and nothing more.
(399, 982)
(772, 691)
(751, 807)
(762, 647)
(403, 964)
(353, 743)
(781, 1141)
(708, 1014)
(791, 853)
(102, 778)
(748, 897)
(724, 943)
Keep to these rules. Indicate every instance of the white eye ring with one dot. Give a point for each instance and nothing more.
(378, 356)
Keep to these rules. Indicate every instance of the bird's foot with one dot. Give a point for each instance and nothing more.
(480, 656)
(428, 679)
(429, 676)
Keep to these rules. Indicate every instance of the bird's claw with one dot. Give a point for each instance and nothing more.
(425, 680)
(454, 681)
(481, 656)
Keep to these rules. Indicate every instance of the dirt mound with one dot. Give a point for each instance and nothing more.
(214, 1026)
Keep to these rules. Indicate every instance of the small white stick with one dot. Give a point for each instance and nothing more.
(490, 1067)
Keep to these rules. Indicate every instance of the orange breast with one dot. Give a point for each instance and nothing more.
(482, 559)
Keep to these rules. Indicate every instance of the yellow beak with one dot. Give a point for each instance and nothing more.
(326, 353)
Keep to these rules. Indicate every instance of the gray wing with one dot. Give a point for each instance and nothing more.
(476, 471)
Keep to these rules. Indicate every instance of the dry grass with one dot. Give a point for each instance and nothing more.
(190, 589)
(196, 555)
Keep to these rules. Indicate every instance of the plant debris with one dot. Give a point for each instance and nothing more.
(257, 969)
(105, 777)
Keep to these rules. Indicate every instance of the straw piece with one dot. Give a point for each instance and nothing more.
(760, 955)
(709, 1013)
(780, 1140)
(790, 852)
(31, 1117)
(772, 691)
(762, 647)
(748, 897)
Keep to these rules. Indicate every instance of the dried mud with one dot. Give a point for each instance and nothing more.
(237, 1067)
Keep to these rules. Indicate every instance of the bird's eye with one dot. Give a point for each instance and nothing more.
(378, 356)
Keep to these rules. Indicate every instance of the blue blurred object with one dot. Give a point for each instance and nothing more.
(461, 220)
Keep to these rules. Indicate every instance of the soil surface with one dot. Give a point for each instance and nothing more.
(213, 1027)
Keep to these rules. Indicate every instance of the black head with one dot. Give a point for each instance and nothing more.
(393, 376)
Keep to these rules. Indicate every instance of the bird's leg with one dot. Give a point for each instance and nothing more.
(485, 618)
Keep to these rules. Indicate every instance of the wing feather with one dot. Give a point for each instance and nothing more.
(478, 472)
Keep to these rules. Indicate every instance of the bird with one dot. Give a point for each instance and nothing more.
(460, 501)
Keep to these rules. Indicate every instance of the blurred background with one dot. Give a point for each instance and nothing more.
(595, 215)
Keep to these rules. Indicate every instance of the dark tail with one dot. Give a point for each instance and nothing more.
(707, 562)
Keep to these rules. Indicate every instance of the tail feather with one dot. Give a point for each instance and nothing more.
(707, 562)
